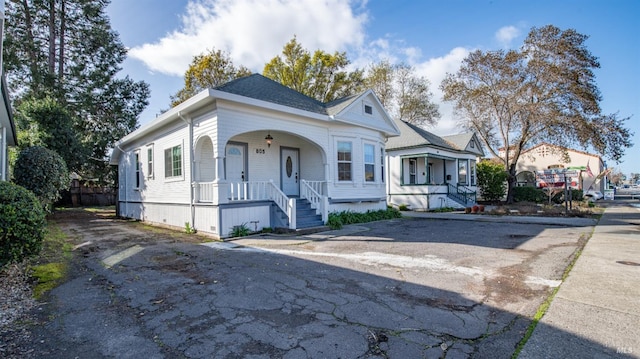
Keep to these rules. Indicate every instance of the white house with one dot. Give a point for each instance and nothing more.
(426, 171)
(257, 153)
(545, 156)
(7, 126)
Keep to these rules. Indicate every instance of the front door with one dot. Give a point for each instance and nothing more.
(289, 169)
(235, 162)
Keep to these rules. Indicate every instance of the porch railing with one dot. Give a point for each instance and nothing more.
(311, 190)
(317, 186)
(462, 194)
(204, 192)
(264, 190)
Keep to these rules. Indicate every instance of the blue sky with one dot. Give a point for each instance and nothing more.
(433, 36)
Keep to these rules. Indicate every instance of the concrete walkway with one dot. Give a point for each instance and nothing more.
(551, 221)
(596, 312)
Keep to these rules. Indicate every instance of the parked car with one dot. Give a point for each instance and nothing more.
(593, 195)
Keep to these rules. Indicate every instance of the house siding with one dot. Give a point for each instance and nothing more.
(222, 120)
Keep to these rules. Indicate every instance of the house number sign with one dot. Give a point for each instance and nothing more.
(260, 151)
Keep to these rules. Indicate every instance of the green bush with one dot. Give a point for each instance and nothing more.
(22, 223)
(240, 231)
(43, 172)
(529, 194)
(492, 180)
(338, 219)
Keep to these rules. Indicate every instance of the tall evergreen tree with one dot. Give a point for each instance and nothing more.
(67, 50)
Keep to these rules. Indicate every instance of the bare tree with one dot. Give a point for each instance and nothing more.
(546, 91)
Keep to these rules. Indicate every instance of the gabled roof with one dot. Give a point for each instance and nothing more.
(261, 88)
(460, 141)
(412, 136)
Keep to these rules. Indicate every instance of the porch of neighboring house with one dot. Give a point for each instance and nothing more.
(431, 181)
(278, 175)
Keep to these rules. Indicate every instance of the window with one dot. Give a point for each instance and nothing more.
(150, 162)
(368, 109)
(430, 173)
(173, 162)
(369, 163)
(137, 159)
(462, 171)
(413, 164)
(382, 165)
(472, 172)
(344, 161)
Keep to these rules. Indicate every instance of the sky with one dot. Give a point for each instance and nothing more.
(163, 36)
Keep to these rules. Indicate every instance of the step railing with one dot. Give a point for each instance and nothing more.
(264, 190)
(461, 194)
(311, 191)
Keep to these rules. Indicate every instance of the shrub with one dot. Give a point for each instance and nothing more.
(43, 172)
(22, 223)
(403, 207)
(338, 219)
(491, 180)
(529, 194)
(240, 230)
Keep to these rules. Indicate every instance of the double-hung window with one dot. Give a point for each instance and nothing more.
(150, 162)
(344, 161)
(173, 162)
(472, 172)
(138, 174)
(462, 171)
(369, 162)
(382, 164)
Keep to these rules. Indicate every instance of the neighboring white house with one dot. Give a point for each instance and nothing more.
(7, 131)
(7, 127)
(545, 156)
(257, 153)
(426, 171)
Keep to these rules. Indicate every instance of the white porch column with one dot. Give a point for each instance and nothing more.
(220, 184)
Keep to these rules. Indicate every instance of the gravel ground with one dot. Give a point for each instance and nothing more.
(16, 300)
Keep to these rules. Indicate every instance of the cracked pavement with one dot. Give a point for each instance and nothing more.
(406, 288)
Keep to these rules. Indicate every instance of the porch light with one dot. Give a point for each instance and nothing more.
(269, 139)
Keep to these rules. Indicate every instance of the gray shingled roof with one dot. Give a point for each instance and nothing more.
(259, 87)
(460, 141)
(413, 136)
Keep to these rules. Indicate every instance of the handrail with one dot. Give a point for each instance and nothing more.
(317, 186)
(462, 193)
(318, 201)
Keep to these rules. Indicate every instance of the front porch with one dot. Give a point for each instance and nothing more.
(277, 167)
(429, 181)
(254, 191)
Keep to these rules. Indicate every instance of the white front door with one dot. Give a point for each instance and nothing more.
(290, 173)
(235, 163)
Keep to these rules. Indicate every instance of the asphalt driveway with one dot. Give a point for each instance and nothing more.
(406, 288)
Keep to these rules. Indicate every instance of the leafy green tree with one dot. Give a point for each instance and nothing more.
(22, 223)
(67, 50)
(322, 76)
(403, 93)
(43, 172)
(46, 123)
(208, 70)
(492, 180)
(546, 91)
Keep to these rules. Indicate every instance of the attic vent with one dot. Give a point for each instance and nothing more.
(473, 144)
(368, 109)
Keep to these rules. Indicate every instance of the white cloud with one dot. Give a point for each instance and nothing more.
(506, 34)
(435, 70)
(254, 31)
